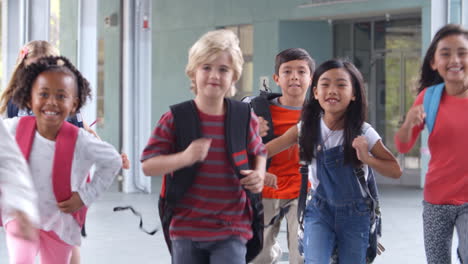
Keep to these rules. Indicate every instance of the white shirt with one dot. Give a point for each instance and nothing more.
(333, 138)
(17, 190)
(89, 151)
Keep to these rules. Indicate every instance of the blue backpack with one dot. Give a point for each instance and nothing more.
(431, 104)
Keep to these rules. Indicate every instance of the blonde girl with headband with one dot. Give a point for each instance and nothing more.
(30, 53)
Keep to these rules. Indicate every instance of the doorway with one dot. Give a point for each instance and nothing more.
(388, 54)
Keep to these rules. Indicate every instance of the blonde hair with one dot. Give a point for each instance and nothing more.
(33, 49)
(208, 47)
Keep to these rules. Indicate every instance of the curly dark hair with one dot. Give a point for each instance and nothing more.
(27, 76)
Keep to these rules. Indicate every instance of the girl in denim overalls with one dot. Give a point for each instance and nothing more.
(334, 137)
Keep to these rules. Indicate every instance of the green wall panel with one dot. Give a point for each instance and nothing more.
(110, 44)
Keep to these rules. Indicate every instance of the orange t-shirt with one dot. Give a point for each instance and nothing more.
(285, 165)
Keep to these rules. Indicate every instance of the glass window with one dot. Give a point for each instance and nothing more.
(342, 40)
(100, 84)
(54, 23)
(1, 42)
(455, 11)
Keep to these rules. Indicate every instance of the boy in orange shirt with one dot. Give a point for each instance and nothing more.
(293, 74)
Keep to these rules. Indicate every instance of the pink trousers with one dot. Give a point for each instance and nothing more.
(51, 249)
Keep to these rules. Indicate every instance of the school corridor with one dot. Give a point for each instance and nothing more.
(114, 237)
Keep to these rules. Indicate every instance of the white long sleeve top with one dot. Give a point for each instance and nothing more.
(89, 151)
(16, 186)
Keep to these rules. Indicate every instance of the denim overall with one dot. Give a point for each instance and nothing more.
(338, 215)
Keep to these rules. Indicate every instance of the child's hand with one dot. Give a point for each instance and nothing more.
(125, 161)
(71, 205)
(415, 116)
(197, 150)
(253, 180)
(26, 230)
(263, 126)
(90, 130)
(271, 180)
(361, 146)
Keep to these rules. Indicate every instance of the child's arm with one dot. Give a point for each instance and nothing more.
(271, 180)
(162, 164)
(263, 126)
(108, 163)
(409, 131)
(282, 142)
(382, 160)
(18, 196)
(254, 178)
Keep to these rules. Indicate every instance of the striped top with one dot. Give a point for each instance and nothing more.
(216, 206)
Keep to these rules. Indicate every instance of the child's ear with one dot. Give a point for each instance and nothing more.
(75, 105)
(275, 78)
(315, 92)
(433, 66)
(28, 105)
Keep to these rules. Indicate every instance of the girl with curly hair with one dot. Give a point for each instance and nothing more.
(59, 156)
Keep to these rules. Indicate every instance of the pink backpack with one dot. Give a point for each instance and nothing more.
(63, 158)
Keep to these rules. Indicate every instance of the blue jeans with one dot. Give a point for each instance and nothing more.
(344, 225)
(228, 251)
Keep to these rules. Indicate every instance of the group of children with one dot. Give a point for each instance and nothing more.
(327, 130)
(214, 175)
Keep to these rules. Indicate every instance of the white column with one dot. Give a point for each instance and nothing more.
(136, 97)
(13, 25)
(38, 16)
(464, 13)
(439, 15)
(87, 53)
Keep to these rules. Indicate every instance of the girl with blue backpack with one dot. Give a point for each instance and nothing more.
(340, 146)
(441, 105)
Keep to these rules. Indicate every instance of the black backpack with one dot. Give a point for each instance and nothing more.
(261, 106)
(187, 128)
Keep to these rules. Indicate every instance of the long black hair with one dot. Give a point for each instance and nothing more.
(429, 76)
(354, 117)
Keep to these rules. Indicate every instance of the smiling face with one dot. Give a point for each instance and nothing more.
(215, 78)
(334, 91)
(53, 99)
(451, 59)
(294, 78)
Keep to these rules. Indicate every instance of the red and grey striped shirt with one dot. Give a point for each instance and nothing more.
(216, 206)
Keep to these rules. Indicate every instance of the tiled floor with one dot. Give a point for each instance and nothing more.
(114, 237)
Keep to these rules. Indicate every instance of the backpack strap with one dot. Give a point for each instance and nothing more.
(25, 132)
(237, 128)
(431, 104)
(360, 174)
(64, 151)
(63, 158)
(187, 129)
(261, 106)
(302, 200)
